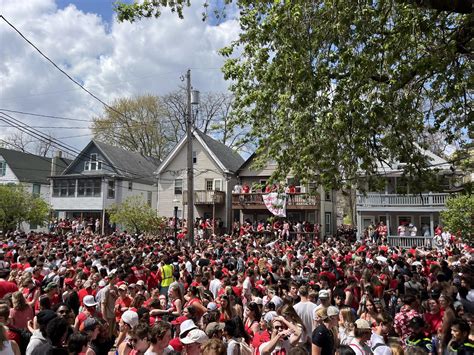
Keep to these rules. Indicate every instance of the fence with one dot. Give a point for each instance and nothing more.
(408, 242)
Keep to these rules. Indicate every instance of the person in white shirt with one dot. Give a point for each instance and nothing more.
(377, 340)
(216, 283)
(305, 310)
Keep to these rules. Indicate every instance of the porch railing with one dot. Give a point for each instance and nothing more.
(296, 199)
(408, 242)
(204, 197)
(383, 200)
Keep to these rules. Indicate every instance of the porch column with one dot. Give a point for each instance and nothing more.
(359, 225)
(387, 216)
(431, 225)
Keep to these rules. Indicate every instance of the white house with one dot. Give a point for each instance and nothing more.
(32, 172)
(214, 166)
(396, 204)
(100, 176)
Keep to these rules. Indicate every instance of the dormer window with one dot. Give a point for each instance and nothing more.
(93, 164)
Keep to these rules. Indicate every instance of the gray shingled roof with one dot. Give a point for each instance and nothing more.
(31, 168)
(129, 164)
(227, 156)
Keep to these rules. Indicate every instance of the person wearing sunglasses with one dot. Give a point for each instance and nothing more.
(279, 343)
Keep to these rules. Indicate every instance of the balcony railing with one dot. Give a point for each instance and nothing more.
(294, 200)
(408, 242)
(204, 197)
(386, 200)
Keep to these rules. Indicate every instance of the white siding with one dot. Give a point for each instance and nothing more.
(10, 177)
(204, 168)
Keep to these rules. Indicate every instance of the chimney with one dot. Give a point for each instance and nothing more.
(55, 161)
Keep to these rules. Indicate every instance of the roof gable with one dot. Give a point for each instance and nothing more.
(118, 161)
(226, 158)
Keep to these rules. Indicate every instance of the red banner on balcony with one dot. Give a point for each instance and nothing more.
(276, 203)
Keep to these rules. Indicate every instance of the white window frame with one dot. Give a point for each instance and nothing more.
(3, 168)
(181, 187)
(217, 183)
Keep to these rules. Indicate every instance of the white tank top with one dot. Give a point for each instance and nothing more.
(7, 348)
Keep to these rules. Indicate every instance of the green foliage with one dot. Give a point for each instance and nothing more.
(139, 124)
(17, 206)
(459, 216)
(135, 215)
(333, 88)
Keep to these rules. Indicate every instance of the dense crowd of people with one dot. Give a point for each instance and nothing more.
(246, 293)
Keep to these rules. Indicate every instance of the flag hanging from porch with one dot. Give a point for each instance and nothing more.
(276, 203)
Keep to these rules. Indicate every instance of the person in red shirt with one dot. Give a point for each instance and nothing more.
(6, 286)
(52, 293)
(90, 310)
(86, 290)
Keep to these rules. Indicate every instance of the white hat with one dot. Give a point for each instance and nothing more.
(258, 300)
(141, 282)
(130, 318)
(332, 311)
(102, 283)
(362, 324)
(194, 336)
(211, 306)
(323, 294)
(89, 301)
(186, 326)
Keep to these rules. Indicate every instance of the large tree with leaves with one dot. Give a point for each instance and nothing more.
(17, 206)
(331, 87)
(458, 217)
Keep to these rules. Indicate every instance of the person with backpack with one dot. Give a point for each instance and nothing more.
(237, 338)
(377, 339)
(56, 333)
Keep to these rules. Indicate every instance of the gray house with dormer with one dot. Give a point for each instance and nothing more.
(100, 176)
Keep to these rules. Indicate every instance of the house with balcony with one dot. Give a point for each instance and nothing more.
(309, 202)
(214, 166)
(100, 176)
(396, 204)
(32, 172)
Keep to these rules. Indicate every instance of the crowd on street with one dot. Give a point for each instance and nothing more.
(80, 292)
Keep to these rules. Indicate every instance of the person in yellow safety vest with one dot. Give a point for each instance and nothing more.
(460, 344)
(166, 276)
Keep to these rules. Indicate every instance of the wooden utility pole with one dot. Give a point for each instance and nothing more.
(190, 173)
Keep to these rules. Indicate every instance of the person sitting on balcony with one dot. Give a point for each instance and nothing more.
(412, 229)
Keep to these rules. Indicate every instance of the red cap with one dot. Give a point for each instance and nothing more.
(179, 320)
(69, 282)
(176, 345)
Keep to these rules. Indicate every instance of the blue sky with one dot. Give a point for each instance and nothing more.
(112, 60)
(104, 8)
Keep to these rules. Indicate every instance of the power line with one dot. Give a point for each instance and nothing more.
(54, 127)
(61, 70)
(42, 115)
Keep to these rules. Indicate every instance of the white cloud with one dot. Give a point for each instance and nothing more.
(111, 60)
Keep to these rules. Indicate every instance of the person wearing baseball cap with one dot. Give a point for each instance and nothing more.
(90, 310)
(193, 340)
(322, 341)
(127, 322)
(362, 334)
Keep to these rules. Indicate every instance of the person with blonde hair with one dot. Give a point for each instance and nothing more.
(21, 312)
(346, 326)
(7, 347)
(214, 347)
